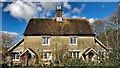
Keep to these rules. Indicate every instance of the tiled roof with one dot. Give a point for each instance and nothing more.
(49, 26)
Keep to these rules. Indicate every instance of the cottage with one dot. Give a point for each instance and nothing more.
(45, 39)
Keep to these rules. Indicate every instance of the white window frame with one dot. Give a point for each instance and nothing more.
(76, 40)
(46, 51)
(48, 40)
(75, 53)
(15, 56)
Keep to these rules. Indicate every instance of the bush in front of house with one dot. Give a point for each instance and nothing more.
(75, 62)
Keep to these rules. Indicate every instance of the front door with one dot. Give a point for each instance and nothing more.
(90, 56)
(28, 56)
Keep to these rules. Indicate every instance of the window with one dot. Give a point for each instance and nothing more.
(75, 54)
(73, 40)
(16, 56)
(47, 55)
(59, 19)
(102, 54)
(45, 40)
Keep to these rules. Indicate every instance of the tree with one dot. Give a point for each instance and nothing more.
(109, 34)
(97, 26)
(5, 43)
(6, 40)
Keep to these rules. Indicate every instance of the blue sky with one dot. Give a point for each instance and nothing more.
(15, 15)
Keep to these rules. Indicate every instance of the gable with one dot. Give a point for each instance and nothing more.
(28, 51)
(40, 26)
(88, 51)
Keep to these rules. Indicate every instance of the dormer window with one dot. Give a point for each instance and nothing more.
(45, 40)
(73, 40)
(59, 19)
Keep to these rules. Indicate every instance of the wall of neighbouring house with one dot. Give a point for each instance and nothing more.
(20, 47)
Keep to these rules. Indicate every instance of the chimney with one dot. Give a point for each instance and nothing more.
(59, 13)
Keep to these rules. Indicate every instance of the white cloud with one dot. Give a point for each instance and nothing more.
(66, 15)
(77, 10)
(36, 0)
(1, 4)
(83, 17)
(3, 0)
(39, 9)
(27, 10)
(62, 0)
(66, 5)
(21, 10)
(82, 7)
(11, 34)
(47, 8)
(75, 16)
(91, 20)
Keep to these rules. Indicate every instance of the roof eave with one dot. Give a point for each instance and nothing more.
(59, 34)
(15, 45)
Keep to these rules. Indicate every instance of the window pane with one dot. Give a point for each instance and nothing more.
(74, 54)
(74, 40)
(13, 56)
(17, 56)
(77, 55)
(47, 55)
(45, 40)
(71, 40)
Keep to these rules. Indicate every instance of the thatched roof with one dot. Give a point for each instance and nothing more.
(49, 26)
